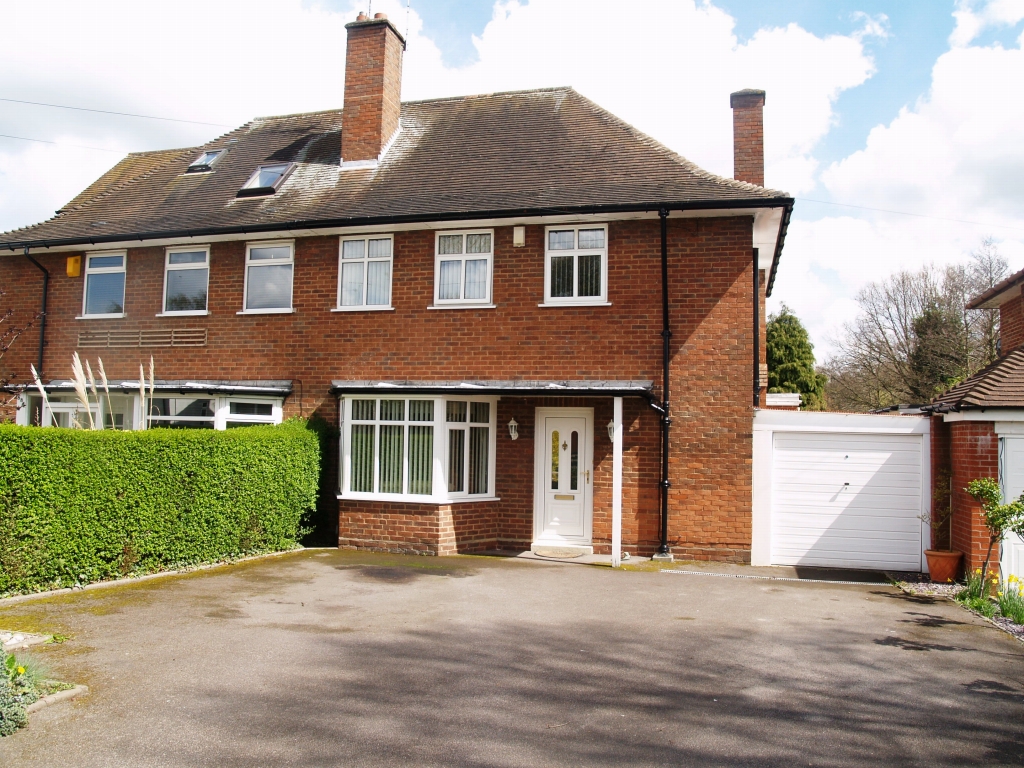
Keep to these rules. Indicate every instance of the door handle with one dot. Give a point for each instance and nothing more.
(586, 473)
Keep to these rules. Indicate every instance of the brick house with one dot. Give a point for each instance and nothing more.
(978, 431)
(532, 325)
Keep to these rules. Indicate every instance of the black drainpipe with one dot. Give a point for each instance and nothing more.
(757, 334)
(666, 335)
(42, 312)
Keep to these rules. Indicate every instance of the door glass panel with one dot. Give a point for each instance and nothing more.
(456, 460)
(478, 462)
(574, 461)
(561, 276)
(554, 460)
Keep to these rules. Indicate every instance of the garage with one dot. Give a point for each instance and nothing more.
(840, 490)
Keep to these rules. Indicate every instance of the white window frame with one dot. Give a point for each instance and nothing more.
(223, 413)
(291, 286)
(365, 261)
(168, 267)
(104, 271)
(440, 494)
(574, 300)
(484, 303)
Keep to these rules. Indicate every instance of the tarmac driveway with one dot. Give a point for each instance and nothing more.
(340, 659)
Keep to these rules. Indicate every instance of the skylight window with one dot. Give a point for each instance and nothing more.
(265, 180)
(204, 162)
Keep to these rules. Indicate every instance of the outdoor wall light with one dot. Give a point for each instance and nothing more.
(513, 429)
(611, 430)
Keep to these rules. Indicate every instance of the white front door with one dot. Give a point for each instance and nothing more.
(1012, 560)
(564, 508)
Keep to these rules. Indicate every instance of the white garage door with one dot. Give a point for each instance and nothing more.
(846, 500)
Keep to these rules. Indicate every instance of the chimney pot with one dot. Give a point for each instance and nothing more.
(748, 135)
(362, 16)
(380, 16)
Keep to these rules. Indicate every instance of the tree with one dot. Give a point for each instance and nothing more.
(791, 360)
(914, 337)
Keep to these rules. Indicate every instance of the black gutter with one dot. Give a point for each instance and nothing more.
(666, 351)
(42, 312)
(365, 221)
(757, 333)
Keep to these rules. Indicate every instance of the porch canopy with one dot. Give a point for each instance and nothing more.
(522, 388)
(267, 388)
(510, 388)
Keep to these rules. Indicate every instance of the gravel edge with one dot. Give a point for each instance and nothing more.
(917, 588)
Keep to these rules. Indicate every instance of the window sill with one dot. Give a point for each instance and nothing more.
(266, 312)
(188, 313)
(463, 306)
(563, 305)
(113, 316)
(364, 308)
(408, 500)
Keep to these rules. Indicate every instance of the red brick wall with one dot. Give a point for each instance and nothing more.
(710, 297)
(1011, 324)
(974, 452)
(941, 472)
(748, 138)
(373, 90)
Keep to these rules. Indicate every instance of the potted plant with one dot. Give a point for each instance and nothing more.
(998, 517)
(943, 564)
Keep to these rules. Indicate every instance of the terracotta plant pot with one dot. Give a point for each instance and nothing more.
(943, 564)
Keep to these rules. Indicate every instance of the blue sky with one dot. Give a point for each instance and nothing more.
(899, 106)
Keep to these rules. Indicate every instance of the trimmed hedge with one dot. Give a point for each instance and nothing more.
(78, 506)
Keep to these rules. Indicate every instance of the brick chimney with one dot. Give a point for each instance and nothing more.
(748, 136)
(373, 87)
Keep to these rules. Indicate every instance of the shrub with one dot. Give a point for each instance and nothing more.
(12, 704)
(1011, 600)
(78, 506)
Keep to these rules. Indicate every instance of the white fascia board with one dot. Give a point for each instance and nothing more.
(992, 414)
(821, 421)
(767, 223)
(767, 251)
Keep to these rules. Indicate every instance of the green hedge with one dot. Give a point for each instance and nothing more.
(78, 506)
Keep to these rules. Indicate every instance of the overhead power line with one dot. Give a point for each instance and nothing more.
(111, 112)
(908, 213)
(62, 144)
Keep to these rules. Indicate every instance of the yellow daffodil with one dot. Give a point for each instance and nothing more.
(977, 570)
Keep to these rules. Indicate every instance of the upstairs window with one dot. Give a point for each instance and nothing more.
(575, 265)
(204, 163)
(364, 273)
(463, 266)
(186, 279)
(265, 180)
(104, 285)
(268, 277)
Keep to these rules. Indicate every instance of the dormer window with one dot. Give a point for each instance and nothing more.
(265, 180)
(204, 163)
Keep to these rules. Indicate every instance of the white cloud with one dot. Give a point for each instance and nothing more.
(974, 16)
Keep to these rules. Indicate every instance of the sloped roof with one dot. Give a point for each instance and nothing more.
(998, 293)
(541, 151)
(1000, 385)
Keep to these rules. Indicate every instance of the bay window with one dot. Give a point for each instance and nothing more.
(427, 449)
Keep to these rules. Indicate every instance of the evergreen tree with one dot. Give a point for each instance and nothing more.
(791, 360)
